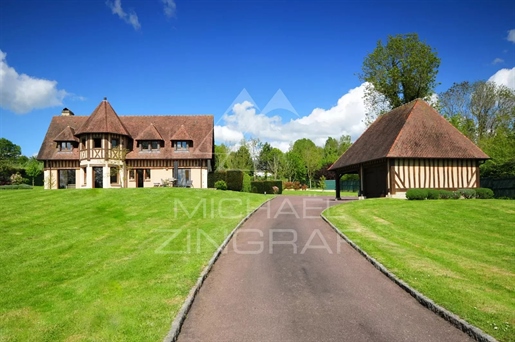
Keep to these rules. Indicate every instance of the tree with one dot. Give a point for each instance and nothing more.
(222, 158)
(270, 159)
(254, 147)
(33, 168)
(9, 152)
(399, 72)
(310, 154)
(241, 159)
(343, 144)
(292, 166)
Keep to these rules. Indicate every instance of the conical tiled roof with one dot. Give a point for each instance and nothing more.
(149, 133)
(413, 130)
(67, 134)
(103, 120)
(181, 134)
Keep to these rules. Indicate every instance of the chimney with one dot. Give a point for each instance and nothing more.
(66, 112)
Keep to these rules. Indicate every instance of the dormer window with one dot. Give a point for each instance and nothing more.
(65, 146)
(182, 145)
(149, 146)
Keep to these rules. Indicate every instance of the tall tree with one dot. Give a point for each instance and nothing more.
(241, 159)
(33, 168)
(401, 71)
(292, 166)
(270, 160)
(310, 154)
(222, 157)
(9, 152)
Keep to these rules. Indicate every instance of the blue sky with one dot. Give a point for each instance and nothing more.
(196, 57)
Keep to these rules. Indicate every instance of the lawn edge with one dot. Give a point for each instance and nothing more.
(177, 323)
(471, 330)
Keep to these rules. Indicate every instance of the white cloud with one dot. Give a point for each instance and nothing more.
(21, 93)
(346, 117)
(505, 77)
(497, 61)
(511, 36)
(169, 8)
(129, 18)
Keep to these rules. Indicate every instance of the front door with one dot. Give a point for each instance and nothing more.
(98, 177)
(139, 176)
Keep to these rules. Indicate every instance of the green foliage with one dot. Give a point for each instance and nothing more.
(270, 159)
(234, 180)
(293, 166)
(241, 159)
(246, 183)
(17, 179)
(433, 194)
(416, 194)
(9, 152)
(220, 185)
(446, 194)
(33, 168)
(222, 158)
(484, 193)
(321, 183)
(261, 187)
(214, 177)
(15, 187)
(401, 71)
(310, 155)
(467, 193)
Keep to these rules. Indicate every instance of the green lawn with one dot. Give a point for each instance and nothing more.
(318, 192)
(460, 253)
(96, 265)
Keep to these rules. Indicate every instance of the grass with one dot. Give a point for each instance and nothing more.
(97, 265)
(460, 253)
(318, 192)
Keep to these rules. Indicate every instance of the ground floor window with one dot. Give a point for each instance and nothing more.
(184, 177)
(114, 174)
(147, 173)
(84, 175)
(66, 178)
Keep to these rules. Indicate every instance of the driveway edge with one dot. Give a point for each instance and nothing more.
(186, 306)
(469, 329)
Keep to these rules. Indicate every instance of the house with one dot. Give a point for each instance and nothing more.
(105, 150)
(412, 146)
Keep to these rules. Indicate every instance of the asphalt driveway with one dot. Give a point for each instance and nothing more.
(287, 276)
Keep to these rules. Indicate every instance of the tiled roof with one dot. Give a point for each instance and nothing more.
(67, 134)
(149, 133)
(413, 130)
(199, 128)
(181, 134)
(103, 120)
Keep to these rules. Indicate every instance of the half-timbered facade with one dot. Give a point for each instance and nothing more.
(105, 150)
(412, 146)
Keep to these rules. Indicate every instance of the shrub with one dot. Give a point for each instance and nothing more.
(296, 185)
(455, 195)
(214, 177)
(416, 194)
(261, 187)
(16, 179)
(15, 187)
(234, 180)
(221, 185)
(246, 183)
(445, 194)
(484, 193)
(433, 194)
(467, 193)
(321, 182)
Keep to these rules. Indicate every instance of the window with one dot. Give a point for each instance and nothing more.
(84, 142)
(181, 145)
(97, 143)
(115, 142)
(65, 146)
(114, 171)
(66, 178)
(131, 174)
(85, 174)
(183, 177)
(147, 173)
(149, 146)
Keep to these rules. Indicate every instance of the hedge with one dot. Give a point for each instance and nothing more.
(416, 194)
(484, 193)
(214, 177)
(234, 180)
(261, 187)
(246, 182)
(15, 187)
